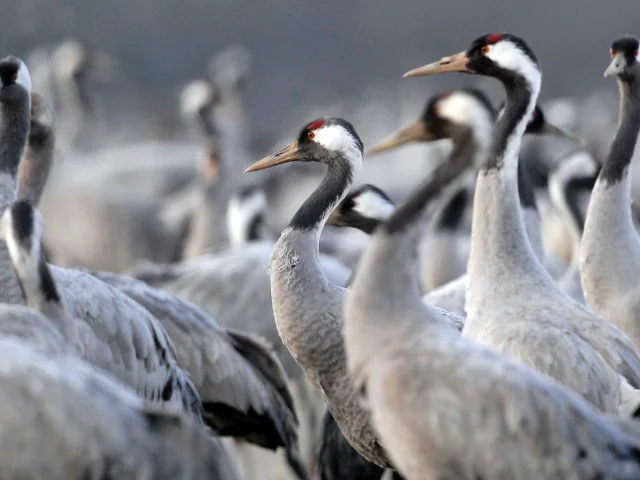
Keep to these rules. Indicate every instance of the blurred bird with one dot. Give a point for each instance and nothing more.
(507, 283)
(610, 250)
(405, 358)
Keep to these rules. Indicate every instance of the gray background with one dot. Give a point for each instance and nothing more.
(317, 52)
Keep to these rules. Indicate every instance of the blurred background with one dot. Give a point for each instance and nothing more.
(157, 107)
(309, 53)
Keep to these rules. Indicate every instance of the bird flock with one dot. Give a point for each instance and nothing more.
(483, 324)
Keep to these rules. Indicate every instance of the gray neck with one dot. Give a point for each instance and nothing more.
(394, 246)
(450, 215)
(308, 308)
(610, 251)
(36, 165)
(617, 164)
(302, 236)
(500, 246)
(313, 213)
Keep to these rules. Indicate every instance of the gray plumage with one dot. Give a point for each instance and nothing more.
(233, 287)
(307, 306)
(610, 250)
(62, 419)
(106, 328)
(513, 305)
(239, 379)
(116, 226)
(430, 390)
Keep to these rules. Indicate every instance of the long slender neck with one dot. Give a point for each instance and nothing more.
(14, 128)
(610, 251)
(520, 102)
(300, 239)
(617, 164)
(315, 211)
(391, 257)
(36, 165)
(307, 307)
(477, 148)
(500, 247)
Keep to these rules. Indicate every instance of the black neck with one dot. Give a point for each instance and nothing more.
(205, 117)
(255, 228)
(47, 284)
(408, 213)
(624, 143)
(14, 129)
(571, 193)
(525, 188)
(516, 105)
(451, 214)
(328, 194)
(368, 225)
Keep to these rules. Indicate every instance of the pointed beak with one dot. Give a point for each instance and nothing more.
(454, 63)
(290, 153)
(616, 66)
(416, 132)
(551, 129)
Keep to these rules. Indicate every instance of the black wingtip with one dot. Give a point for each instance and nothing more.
(257, 428)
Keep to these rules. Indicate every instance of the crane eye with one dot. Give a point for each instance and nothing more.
(14, 77)
(311, 135)
(485, 49)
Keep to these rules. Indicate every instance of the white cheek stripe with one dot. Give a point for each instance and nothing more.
(337, 139)
(371, 205)
(464, 109)
(510, 56)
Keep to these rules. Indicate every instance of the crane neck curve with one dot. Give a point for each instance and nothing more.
(315, 211)
(392, 256)
(522, 96)
(500, 244)
(406, 216)
(616, 166)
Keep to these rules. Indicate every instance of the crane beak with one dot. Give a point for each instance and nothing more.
(290, 153)
(454, 63)
(416, 132)
(616, 66)
(551, 129)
